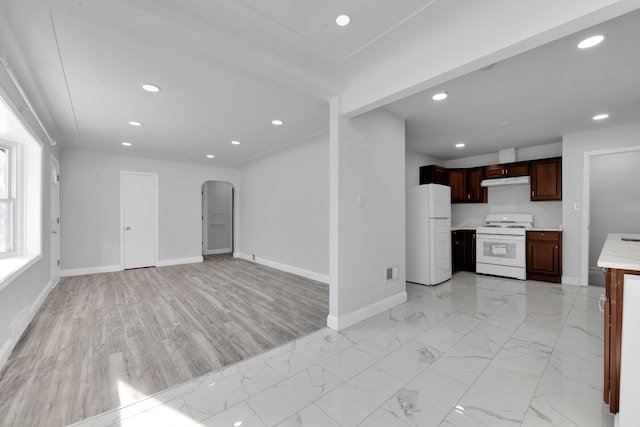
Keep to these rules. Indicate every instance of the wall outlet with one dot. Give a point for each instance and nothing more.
(392, 272)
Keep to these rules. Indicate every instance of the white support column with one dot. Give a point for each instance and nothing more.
(367, 215)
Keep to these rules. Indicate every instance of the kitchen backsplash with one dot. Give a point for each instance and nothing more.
(510, 199)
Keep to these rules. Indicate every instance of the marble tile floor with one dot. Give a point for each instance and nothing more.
(474, 351)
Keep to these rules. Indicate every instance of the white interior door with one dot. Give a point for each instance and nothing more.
(139, 219)
(55, 220)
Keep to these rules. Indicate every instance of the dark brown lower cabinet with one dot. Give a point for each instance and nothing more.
(463, 246)
(544, 256)
(613, 335)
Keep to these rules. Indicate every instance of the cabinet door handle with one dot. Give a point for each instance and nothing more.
(533, 193)
(601, 302)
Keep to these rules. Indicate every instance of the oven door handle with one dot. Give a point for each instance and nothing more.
(494, 237)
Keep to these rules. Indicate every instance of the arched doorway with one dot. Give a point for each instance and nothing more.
(217, 218)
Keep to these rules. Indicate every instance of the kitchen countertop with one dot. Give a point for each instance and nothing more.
(544, 227)
(472, 227)
(619, 254)
(458, 227)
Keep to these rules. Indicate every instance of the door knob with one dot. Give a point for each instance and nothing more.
(128, 228)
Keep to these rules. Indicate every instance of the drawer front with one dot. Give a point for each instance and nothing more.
(547, 236)
(518, 169)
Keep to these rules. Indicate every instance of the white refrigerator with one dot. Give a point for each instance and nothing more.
(428, 237)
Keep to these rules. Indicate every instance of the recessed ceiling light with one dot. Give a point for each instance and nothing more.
(137, 124)
(343, 20)
(601, 116)
(503, 123)
(277, 122)
(440, 96)
(235, 142)
(210, 156)
(460, 145)
(150, 88)
(591, 42)
(127, 144)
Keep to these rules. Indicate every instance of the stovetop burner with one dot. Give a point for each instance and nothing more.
(515, 224)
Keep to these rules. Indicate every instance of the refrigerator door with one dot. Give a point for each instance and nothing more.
(439, 201)
(417, 234)
(440, 250)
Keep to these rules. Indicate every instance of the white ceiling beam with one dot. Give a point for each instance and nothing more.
(456, 37)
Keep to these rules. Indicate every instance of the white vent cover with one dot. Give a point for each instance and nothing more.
(507, 156)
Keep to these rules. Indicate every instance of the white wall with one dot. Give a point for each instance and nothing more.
(284, 212)
(218, 216)
(513, 199)
(574, 147)
(21, 299)
(413, 161)
(613, 182)
(90, 208)
(522, 155)
(367, 214)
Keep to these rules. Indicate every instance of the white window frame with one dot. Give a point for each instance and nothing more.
(12, 197)
(26, 190)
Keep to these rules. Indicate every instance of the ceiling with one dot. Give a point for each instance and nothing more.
(533, 98)
(227, 68)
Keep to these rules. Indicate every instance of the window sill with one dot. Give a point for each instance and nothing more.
(11, 268)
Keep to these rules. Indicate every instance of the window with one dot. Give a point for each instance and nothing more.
(20, 194)
(6, 200)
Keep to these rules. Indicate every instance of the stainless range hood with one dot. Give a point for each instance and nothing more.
(516, 180)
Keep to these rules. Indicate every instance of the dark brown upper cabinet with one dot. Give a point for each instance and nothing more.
(506, 170)
(434, 174)
(465, 186)
(546, 179)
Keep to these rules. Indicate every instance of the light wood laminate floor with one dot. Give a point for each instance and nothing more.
(102, 341)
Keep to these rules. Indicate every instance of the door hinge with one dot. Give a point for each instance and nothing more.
(58, 220)
(58, 263)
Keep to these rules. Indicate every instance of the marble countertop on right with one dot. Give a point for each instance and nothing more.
(621, 251)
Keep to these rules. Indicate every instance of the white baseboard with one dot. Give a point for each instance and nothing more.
(179, 261)
(22, 321)
(217, 251)
(90, 270)
(318, 277)
(339, 323)
(569, 280)
(42, 296)
(5, 352)
(596, 276)
(112, 268)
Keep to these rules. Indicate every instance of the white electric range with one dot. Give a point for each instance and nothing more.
(500, 245)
